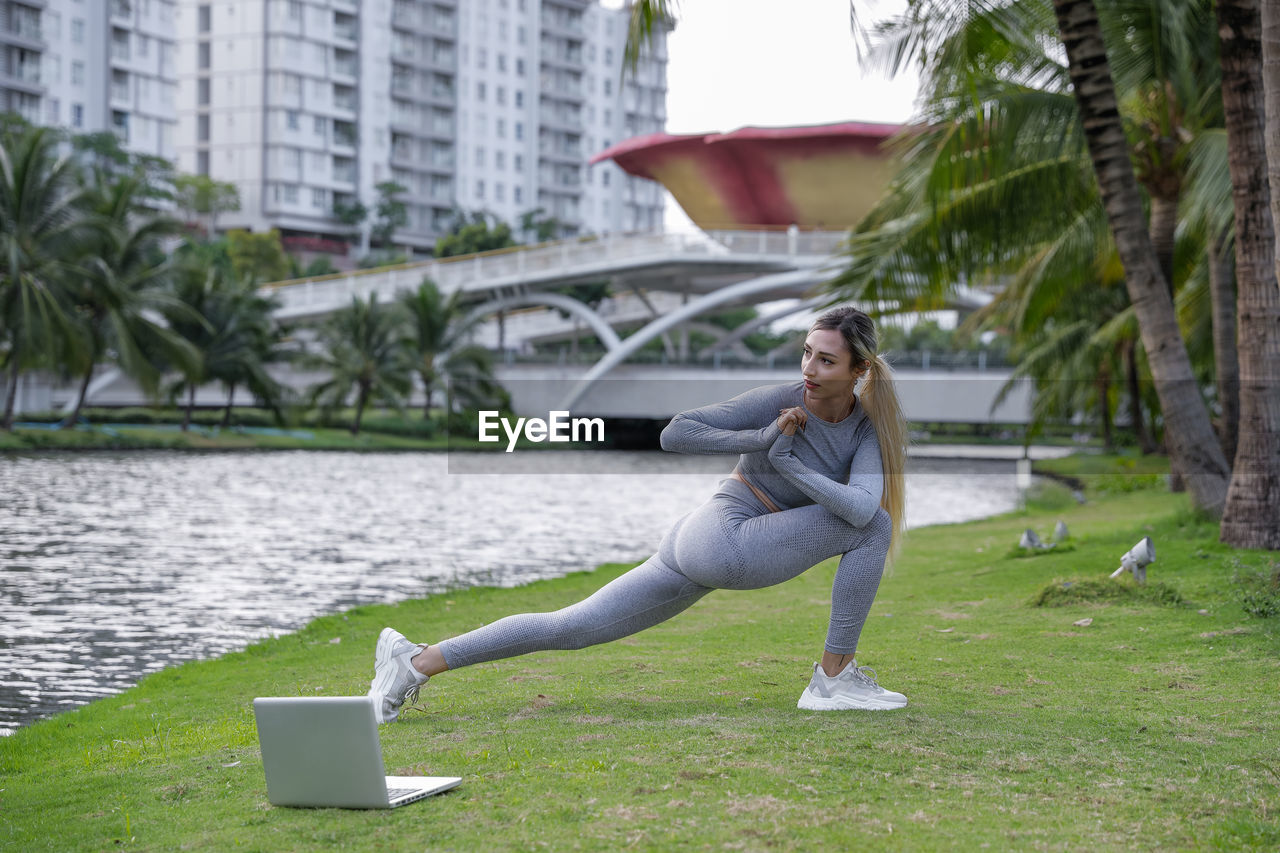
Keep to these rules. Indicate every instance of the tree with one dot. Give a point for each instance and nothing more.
(257, 258)
(536, 223)
(361, 348)
(391, 214)
(41, 232)
(472, 233)
(437, 335)
(123, 285)
(1252, 515)
(228, 321)
(202, 195)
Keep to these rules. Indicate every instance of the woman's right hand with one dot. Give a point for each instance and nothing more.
(790, 419)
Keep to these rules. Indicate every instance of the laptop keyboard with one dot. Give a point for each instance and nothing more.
(392, 793)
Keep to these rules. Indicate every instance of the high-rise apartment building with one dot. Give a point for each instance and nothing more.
(472, 105)
(93, 65)
(308, 105)
(543, 90)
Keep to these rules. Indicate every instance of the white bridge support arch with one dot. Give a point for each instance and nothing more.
(754, 287)
(750, 326)
(603, 330)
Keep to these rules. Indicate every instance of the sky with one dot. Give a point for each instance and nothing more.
(773, 63)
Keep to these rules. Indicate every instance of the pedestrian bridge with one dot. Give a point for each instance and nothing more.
(660, 283)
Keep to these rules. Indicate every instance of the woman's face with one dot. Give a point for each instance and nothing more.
(827, 366)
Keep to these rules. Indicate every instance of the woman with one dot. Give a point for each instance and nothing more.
(820, 474)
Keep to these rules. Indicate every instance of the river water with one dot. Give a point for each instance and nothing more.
(117, 565)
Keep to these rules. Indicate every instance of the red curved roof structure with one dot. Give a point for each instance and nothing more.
(820, 177)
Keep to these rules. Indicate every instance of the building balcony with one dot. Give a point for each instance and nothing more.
(22, 32)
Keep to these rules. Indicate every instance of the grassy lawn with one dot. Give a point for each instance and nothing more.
(1153, 726)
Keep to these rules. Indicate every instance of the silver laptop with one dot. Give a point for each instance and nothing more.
(324, 751)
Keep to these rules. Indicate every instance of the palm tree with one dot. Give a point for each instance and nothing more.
(123, 284)
(1193, 445)
(40, 231)
(362, 350)
(438, 332)
(229, 322)
(1251, 514)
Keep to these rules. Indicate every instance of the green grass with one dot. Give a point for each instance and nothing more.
(1155, 726)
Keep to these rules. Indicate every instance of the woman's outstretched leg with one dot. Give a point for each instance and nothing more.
(650, 593)
(646, 595)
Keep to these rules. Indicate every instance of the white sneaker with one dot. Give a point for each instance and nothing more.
(395, 681)
(854, 688)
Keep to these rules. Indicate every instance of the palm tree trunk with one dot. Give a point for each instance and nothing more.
(1251, 518)
(70, 421)
(231, 396)
(11, 395)
(361, 399)
(191, 402)
(1226, 363)
(1164, 226)
(1145, 444)
(1104, 410)
(1193, 445)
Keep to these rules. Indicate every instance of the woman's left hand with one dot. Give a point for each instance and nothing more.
(790, 419)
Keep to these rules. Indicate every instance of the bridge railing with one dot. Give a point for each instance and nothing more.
(530, 262)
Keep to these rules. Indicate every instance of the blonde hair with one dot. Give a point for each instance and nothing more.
(880, 402)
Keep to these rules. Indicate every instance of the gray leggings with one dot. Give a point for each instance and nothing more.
(731, 542)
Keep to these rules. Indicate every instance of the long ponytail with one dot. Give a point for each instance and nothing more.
(880, 402)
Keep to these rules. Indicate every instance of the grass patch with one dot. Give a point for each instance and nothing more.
(1060, 593)
(1026, 728)
(1259, 588)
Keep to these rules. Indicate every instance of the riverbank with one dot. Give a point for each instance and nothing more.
(1151, 726)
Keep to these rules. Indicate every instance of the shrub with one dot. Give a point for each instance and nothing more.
(1259, 590)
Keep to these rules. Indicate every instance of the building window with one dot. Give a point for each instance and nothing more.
(77, 31)
(77, 73)
(499, 192)
(502, 62)
(202, 162)
(519, 130)
(520, 67)
(480, 157)
(608, 87)
(500, 128)
(480, 91)
(480, 188)
(500, 95)
(518, 162)
(500, 160)
(321, 126)
(608, 58)
(202, 92)
(204, 15)
(291, 119)
(202, 128)
(203, 54)
(519, 195)
(519, 98)
(482, 57)
(319, 197)
(291, 193)
(604, 179)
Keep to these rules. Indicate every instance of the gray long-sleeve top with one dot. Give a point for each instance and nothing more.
(836, 465)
